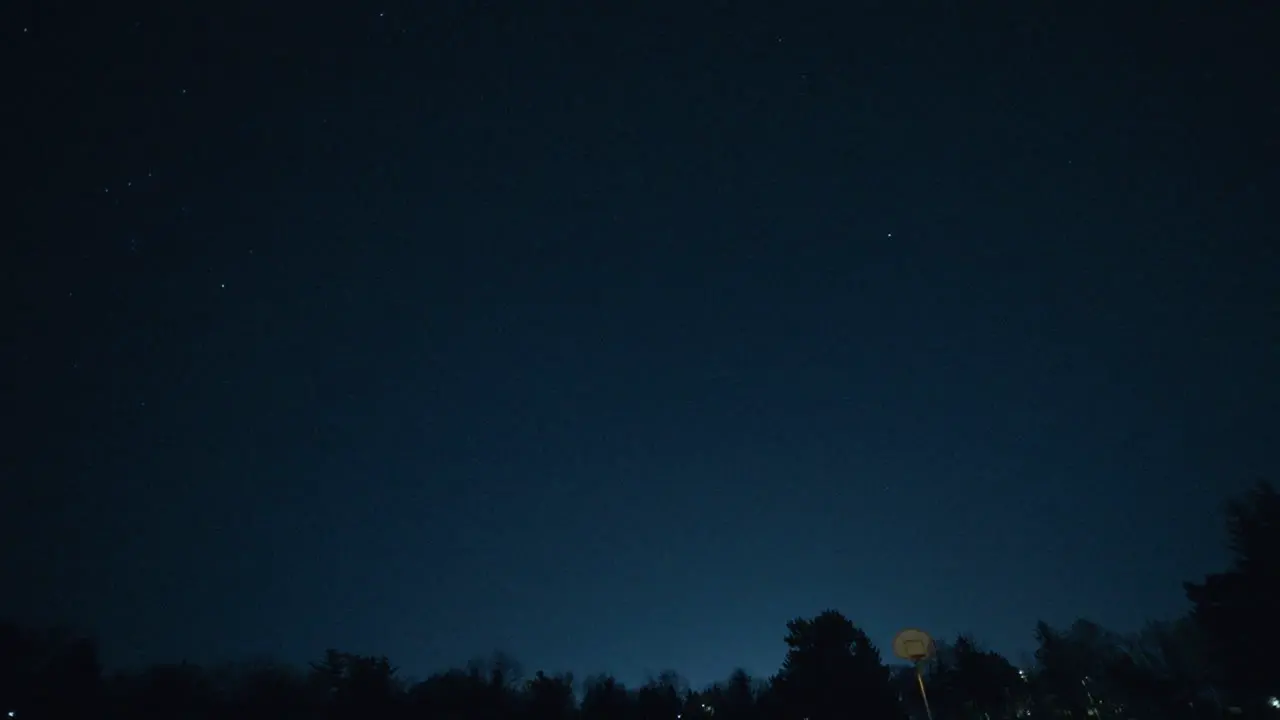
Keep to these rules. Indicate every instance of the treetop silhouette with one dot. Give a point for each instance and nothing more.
(1215, 661)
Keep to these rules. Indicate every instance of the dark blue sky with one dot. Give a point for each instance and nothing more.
(615, 339)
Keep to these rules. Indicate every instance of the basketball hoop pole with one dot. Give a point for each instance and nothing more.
(923, 695)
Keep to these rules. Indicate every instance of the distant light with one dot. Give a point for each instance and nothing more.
(1273, 702)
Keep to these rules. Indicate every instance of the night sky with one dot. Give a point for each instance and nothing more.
(615, 335)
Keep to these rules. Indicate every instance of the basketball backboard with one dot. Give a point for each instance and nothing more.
(914, 645)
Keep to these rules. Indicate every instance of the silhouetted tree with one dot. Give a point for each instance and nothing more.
(549, 697)
(735, 698)
(1161, 674)
(357, 685)
(983, 685)
(833, 671)
(270, 691)
(502, 670)
(661, 698)
(169, 690)
(1236, 610)
(698, 705)
(51, 673)
(604, 698)
(1075, 669)
(452, 695)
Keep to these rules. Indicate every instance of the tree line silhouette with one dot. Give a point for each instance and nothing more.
(1217, 661)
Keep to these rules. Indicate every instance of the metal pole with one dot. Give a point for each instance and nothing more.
(923, 695)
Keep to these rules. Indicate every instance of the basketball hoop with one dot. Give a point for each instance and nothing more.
(916, 646)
